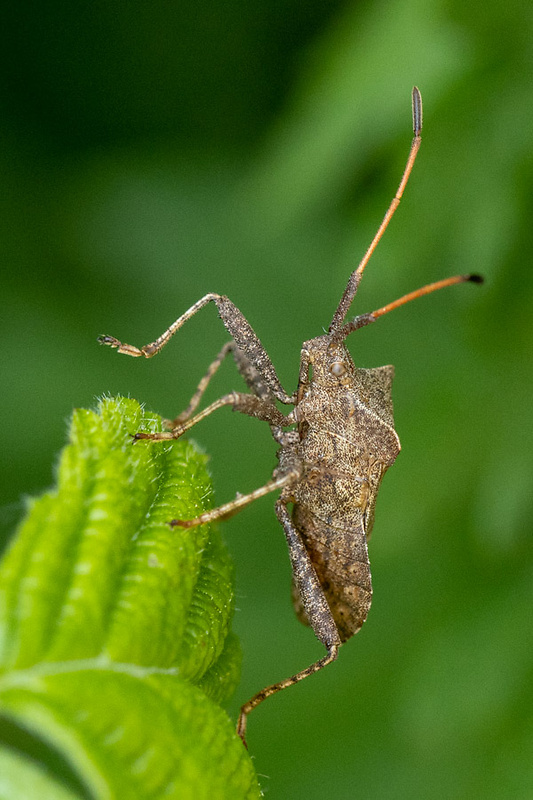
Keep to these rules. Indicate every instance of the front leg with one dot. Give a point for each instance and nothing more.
(238, 327)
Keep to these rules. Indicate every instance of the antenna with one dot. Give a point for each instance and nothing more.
(355, 277)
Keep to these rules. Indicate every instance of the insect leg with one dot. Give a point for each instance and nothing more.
(316, 606)
(234, 506)
(238, 327)
(202, 386)
(254, 380)
(247, 404)
(246, 369)
(317, 610)
(254, 701)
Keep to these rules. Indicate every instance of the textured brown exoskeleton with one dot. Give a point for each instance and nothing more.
(330, 467)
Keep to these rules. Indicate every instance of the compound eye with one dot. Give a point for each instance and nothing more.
(337, 369)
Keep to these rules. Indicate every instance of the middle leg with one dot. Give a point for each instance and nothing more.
(200, 389)
(234, 506)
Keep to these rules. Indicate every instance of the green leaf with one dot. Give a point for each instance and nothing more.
(115, 642)
(20, 777)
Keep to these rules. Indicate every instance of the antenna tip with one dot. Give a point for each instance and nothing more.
(110, 340)
(475, 278)
(417, 110)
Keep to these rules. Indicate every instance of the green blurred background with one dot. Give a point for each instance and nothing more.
(151, 152)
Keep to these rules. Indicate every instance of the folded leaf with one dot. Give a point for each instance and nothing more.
(115, 645)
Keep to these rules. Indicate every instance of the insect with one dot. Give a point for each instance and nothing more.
(332, 460)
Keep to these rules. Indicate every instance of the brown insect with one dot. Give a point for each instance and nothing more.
(330, 466)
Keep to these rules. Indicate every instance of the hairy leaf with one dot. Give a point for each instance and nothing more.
(115, 642)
